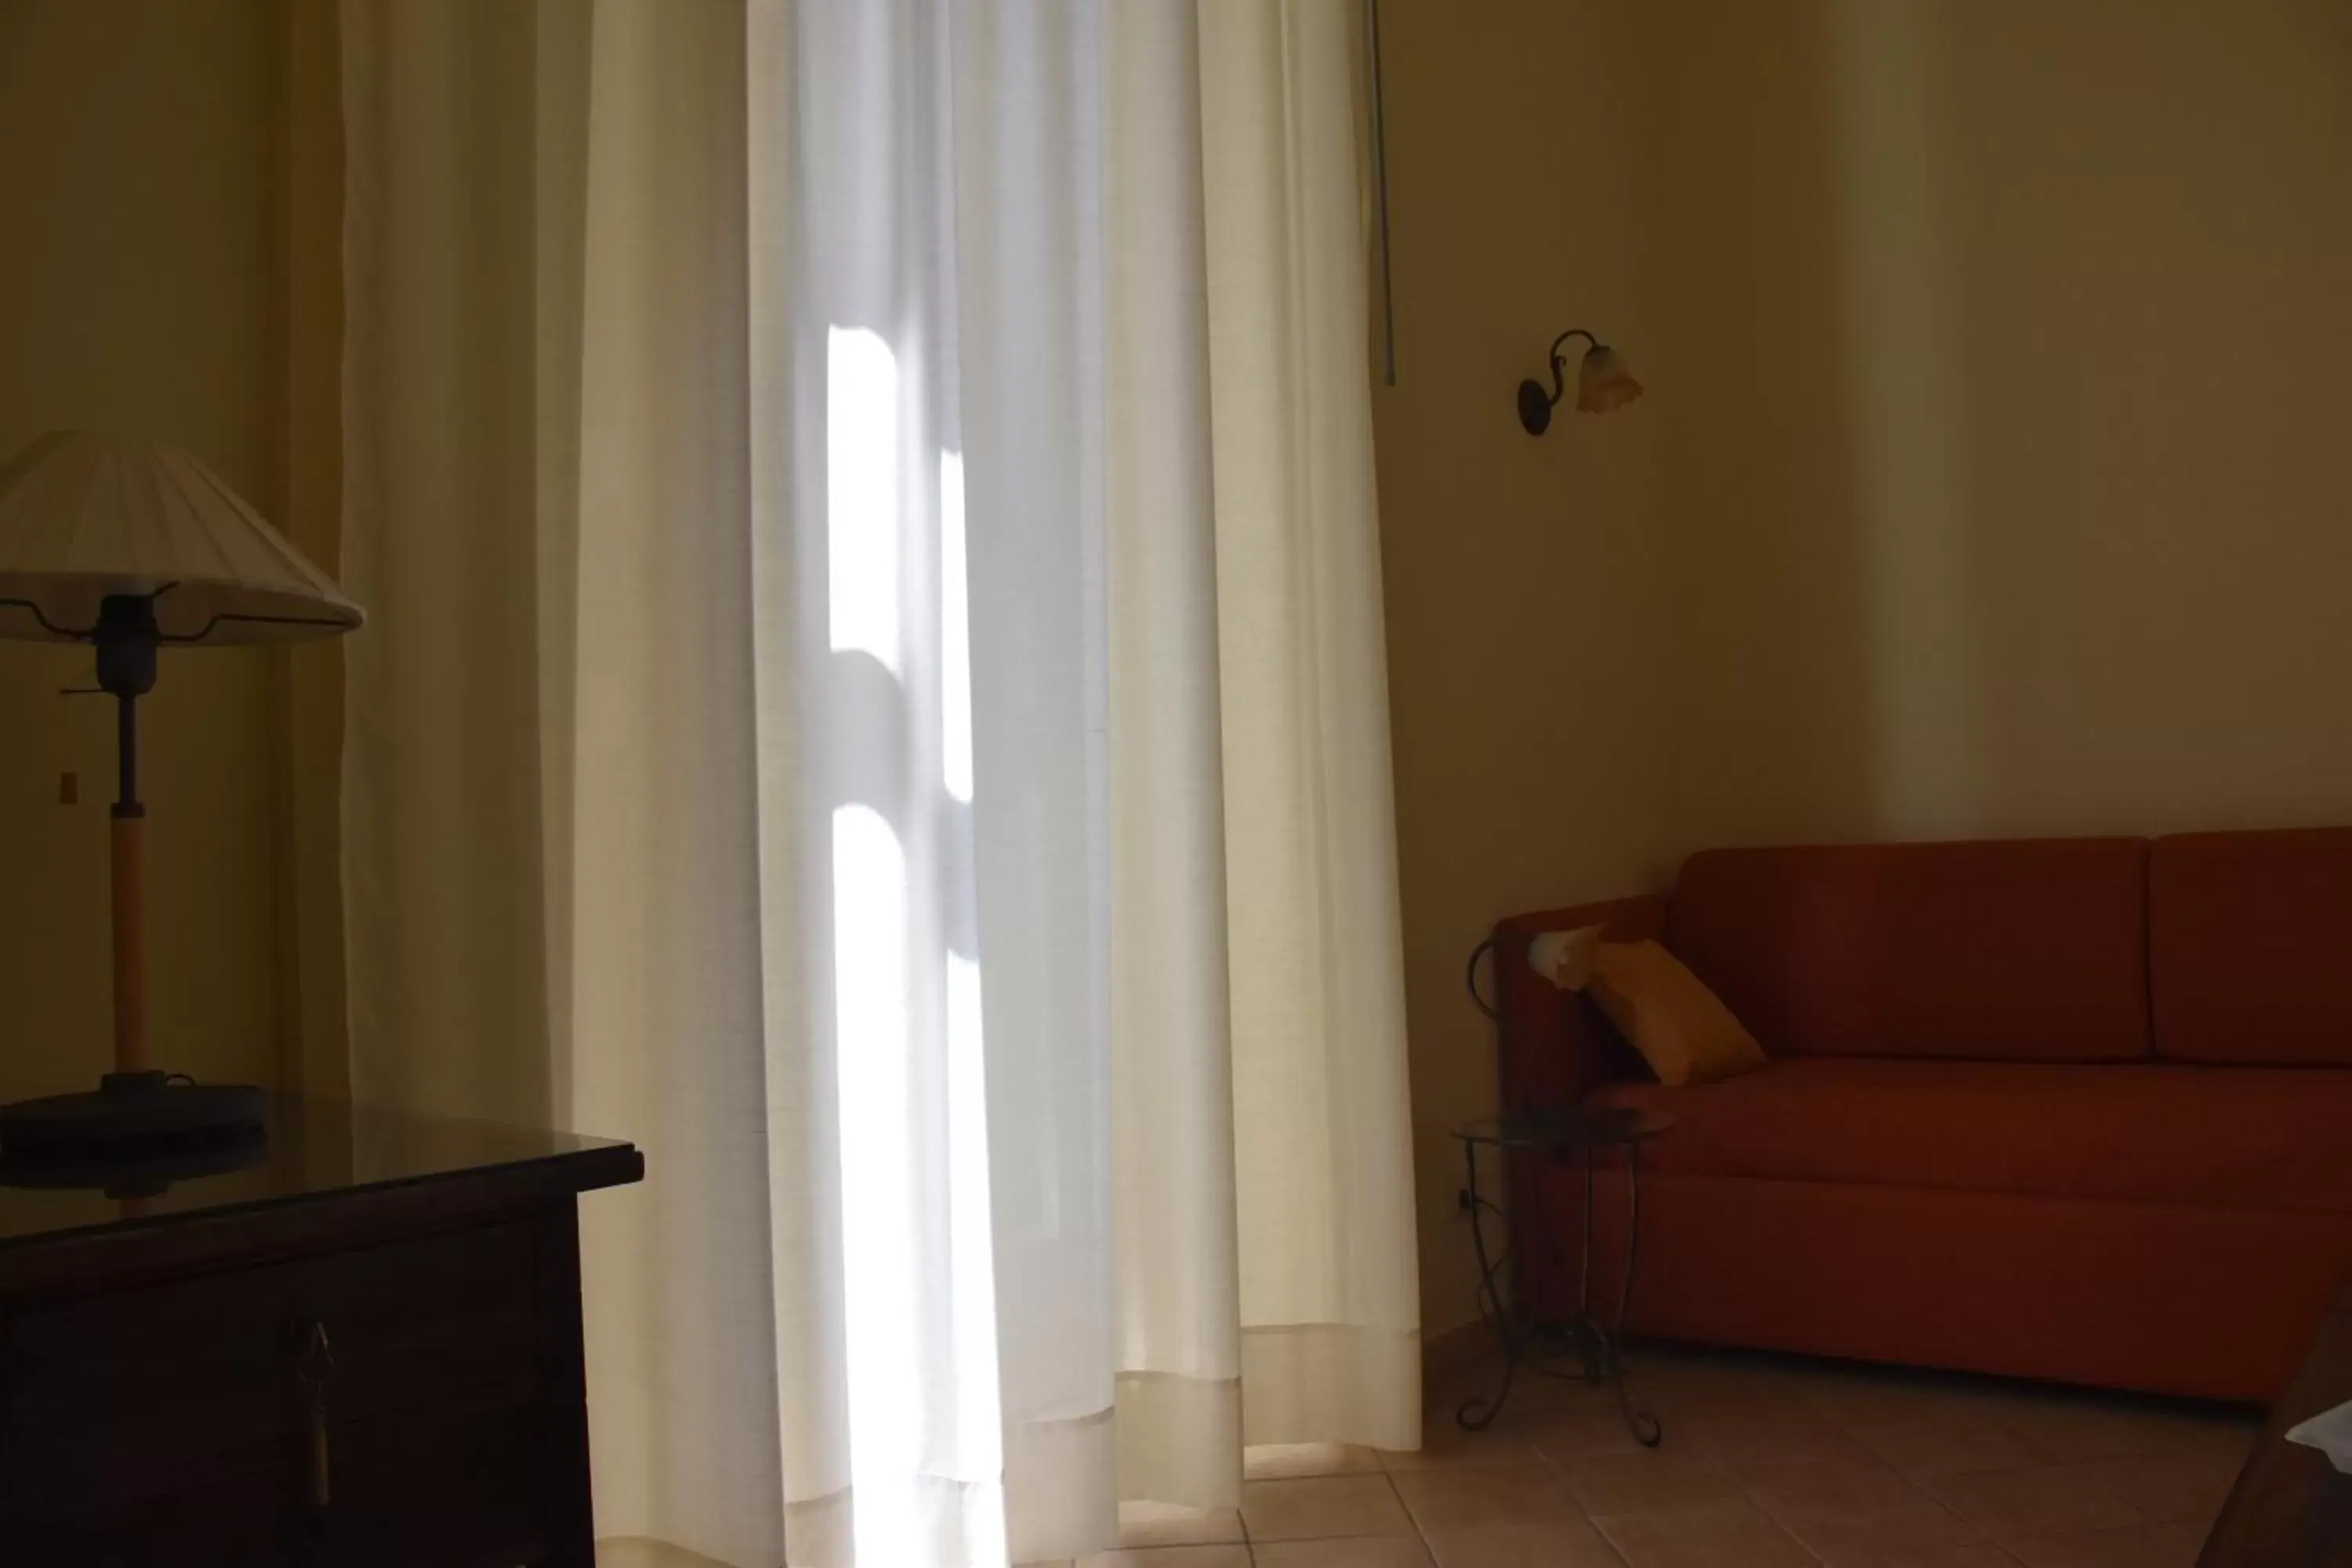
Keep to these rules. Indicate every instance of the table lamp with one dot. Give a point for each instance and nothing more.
(132, 548)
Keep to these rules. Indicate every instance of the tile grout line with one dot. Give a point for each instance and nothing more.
(1752, 1500)
(1847, 1432)
(1420, 1533)
(2002, 1547)
(1862, 1427)
(1560, 1475)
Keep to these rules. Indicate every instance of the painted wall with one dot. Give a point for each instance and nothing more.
(136, 292)
(2011, 356)
(1524, 579)
(1991, 479)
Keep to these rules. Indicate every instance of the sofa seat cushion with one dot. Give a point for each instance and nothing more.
(2265, 1137)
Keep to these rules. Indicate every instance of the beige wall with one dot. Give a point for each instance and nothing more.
(136, 295)
(1992, 478)
(2011, 353)
(1525, 578)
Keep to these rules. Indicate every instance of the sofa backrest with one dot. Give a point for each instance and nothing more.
(2250, 945)
(2024, 951)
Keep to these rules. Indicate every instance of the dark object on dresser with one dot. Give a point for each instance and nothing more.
(2290, 1508)
(364, 1349)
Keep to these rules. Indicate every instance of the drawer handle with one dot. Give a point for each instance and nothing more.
(315, 1370)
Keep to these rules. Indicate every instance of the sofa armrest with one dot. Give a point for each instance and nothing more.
(1556, 1045)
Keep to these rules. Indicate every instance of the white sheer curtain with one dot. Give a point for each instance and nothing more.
(875, 691)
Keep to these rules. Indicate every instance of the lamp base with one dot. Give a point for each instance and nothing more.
(131, 1114)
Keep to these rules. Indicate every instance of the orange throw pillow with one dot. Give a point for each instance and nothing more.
(1682, 1029)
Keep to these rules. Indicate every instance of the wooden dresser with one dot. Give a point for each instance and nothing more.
(362, 1349)
(2291, 1508)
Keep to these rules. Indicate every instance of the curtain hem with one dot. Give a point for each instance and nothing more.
(1331, 1383)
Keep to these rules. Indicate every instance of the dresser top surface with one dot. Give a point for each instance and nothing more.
(315, 1151)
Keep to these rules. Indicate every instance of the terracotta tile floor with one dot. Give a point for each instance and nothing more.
(1769, 1460)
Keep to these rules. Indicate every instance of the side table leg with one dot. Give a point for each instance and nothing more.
(1589, 1342)
(1639, 1420)
(1477, 1415)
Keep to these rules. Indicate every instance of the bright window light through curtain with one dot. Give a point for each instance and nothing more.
(881, 1227)
(825, 717)
(861, 467)
(955, 634)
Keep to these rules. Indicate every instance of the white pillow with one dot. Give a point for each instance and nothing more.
(1565, 957)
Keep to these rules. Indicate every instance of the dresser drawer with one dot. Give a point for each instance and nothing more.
(460, 1485)
(221, 1511)
(97, 1392)
(119, 1386)
(415, 1323)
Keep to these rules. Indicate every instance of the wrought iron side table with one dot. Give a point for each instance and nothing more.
(1579, 1134)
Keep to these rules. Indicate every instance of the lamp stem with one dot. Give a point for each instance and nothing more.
(130, 869)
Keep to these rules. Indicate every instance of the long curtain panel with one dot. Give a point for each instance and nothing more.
(875, 691)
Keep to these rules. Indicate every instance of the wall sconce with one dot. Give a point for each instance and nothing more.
(1602, 382)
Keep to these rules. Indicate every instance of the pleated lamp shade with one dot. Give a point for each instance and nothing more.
(83, 516)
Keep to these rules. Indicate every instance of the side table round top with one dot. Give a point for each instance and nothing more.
(1580, 1127)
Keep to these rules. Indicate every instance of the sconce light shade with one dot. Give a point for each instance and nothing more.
(1603, 382)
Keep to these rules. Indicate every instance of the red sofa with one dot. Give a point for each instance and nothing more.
(2073, 1108)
